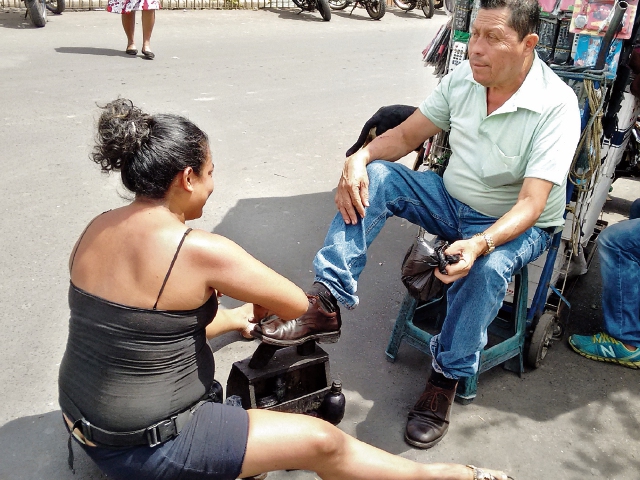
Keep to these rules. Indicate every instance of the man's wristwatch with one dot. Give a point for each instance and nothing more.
(489, 239)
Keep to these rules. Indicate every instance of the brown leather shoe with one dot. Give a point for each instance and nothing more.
(429, 418)
(321, 322)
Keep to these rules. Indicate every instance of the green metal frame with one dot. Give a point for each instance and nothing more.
(509, 327)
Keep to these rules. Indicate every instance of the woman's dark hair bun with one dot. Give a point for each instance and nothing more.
(149, 151)
(122, 129)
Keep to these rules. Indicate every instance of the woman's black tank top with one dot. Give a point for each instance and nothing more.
(127, 368)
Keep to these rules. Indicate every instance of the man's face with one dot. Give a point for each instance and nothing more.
(496, 54)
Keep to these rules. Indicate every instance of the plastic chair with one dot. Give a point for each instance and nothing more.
(506, 334)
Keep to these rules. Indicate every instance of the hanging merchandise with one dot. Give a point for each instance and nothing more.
(594, 17)
(587, 49)
(564, 40)
(547, 34)
(462, 15)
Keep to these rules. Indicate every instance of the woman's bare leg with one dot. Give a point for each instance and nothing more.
(148, 21)
(281, 441)
(129, 25)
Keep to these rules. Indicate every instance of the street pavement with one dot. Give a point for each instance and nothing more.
(282, 96)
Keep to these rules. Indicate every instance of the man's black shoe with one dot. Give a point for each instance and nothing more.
(429, 418)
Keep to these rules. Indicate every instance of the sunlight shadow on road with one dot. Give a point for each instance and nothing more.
(105, 52)
(35, 447)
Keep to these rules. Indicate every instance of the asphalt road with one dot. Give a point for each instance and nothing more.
(282, 96)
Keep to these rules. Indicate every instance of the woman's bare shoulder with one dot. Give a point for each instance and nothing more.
(212, 247)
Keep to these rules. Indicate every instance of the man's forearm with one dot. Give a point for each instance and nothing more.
(522, 216)
(398, 142)
(513, 223)
(390, 146)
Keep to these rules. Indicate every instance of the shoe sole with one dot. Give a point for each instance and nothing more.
(421, 445)
(635, 366)
(329, 337)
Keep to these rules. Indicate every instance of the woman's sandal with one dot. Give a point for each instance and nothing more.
(480, 474)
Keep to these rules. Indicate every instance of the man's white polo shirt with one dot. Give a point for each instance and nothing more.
(534, 134)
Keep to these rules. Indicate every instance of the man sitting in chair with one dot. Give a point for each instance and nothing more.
(514, 126)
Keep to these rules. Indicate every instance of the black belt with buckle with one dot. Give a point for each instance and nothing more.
(150, 436)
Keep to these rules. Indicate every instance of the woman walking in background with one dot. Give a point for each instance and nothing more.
(128, 8)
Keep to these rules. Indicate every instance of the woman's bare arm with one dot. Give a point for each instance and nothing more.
(230, 270)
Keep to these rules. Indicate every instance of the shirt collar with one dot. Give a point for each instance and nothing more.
(530, 92)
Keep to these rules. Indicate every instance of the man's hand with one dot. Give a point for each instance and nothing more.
(469, 250)
(352, 195)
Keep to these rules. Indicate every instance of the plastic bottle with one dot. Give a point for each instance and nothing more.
(332, 407)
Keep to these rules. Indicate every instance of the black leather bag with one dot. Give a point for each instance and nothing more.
(422, 258)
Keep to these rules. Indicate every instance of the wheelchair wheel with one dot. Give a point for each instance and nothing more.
(541, 340)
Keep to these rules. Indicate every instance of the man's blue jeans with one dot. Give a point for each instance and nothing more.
(473, 301)
(619, 248)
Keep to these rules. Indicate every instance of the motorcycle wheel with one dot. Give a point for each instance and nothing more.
(323, 8)
(338, 4)
(37, 12)
(55, 6)
(376, 8)
(428, 8)
(406, 6)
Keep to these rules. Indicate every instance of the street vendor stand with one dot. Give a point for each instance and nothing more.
(589, 45)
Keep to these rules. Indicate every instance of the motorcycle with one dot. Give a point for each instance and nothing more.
(428, 7)
(310, 5)
(375, 8)
(37, 10)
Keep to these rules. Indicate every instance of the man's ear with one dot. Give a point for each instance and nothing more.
(186, 179)
(530, 42)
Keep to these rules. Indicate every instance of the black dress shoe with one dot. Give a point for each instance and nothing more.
(429, 418)
(321, 322)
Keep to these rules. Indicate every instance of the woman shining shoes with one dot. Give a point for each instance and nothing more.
(136, 382)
